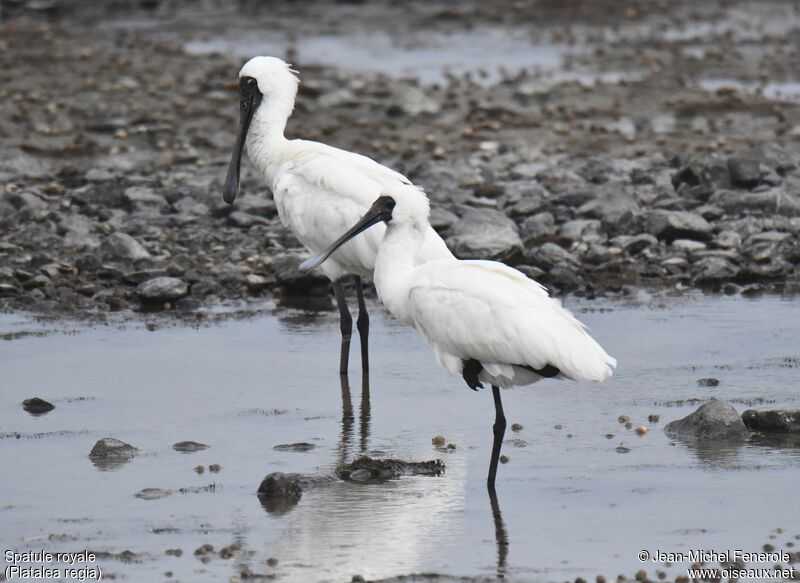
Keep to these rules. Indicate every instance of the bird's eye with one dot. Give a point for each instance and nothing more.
(251, 81)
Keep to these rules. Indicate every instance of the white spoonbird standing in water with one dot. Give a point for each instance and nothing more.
(319, 190)
(483, 320)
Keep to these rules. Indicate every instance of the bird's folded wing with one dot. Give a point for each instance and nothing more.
(493, 313)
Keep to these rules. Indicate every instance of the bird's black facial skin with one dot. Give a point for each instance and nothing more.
(380, 211)
(250, 99)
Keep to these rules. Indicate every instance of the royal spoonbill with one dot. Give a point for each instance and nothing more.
(319, 190)
(483, 320)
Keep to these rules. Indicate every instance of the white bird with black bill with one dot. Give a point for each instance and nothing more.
(483, 320)
(319, 190)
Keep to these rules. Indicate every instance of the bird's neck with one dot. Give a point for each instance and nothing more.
(266, 144)
(394, 265)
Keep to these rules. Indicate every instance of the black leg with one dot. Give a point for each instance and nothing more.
(500, 535)
(362, 323)
(346, 323)
(499, 432)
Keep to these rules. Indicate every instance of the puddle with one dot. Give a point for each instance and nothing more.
(431, 57)
(568, 503)
(781, 91)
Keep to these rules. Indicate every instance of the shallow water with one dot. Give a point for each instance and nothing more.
(571, 505)
(430, 57)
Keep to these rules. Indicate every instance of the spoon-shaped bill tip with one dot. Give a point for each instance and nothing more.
(311, 263)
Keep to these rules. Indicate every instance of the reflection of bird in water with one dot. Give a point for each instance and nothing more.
(319, 190)
(500, 534)
(341, 528)
(483, 320)
(348, 418)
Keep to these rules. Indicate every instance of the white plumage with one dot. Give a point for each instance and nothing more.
(483, 320)
(319, 190)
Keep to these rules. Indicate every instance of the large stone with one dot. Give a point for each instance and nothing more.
(671, 225)
(279, 492)
(611, 208)
(713, 420)
(162, 289)
(110, 453)
(123, 246)
(776, 201)
(538, 227)
(37, 406)
(484, 234)
(549, 256)
(109, 447)
(773, 420)
(744, 172)
(292, 281)
(710, 270)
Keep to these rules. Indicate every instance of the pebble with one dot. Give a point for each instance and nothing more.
(299, 447)
(37, 406)
(189, 446)
(160, 290)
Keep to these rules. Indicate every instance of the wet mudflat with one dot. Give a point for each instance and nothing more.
(571, 504)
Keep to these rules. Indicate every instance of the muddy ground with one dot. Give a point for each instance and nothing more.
(656, 148)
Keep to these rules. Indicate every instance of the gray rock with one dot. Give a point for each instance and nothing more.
(162, 289)
(189, 446)
(279, 492)
(773, 420)
(582, 230)
(14, 163)
(37, 406)
(143, 197)
(713, 420)
(671, 225)
(26, 200)
(484, 234)
(727, 240)
(687, 245)
(123, 246)
(537, 227)
(635, 245)
(110, 453)
(714, 270)
(549, 256)
(292, 281)
(152, 493)
(774, 201)
(610, 207)
(109, 447)
(528, 170)
(75, 224)
(442, 218)
(744, 172)
(301, 447)
(414, 101)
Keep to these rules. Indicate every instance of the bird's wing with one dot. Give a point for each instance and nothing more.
(493, 313)
(322, 191)
(386, 177)
(319, 199)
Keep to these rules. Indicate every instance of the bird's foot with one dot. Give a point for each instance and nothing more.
(470, 372)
